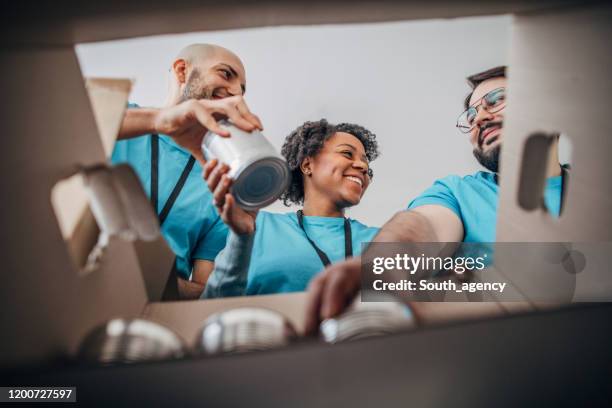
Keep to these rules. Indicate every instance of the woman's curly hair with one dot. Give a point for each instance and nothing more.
(307, 140)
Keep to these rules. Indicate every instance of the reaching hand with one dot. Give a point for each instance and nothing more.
(188, 122)
(331, 292)
(240, 221)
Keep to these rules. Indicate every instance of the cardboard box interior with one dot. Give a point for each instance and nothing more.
(48, 306)
(46, 24)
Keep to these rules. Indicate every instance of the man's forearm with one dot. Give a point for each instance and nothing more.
(407, 226)
(407, 231)
(138, 122)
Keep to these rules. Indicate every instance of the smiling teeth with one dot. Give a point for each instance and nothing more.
(355, 179)
(489, 130)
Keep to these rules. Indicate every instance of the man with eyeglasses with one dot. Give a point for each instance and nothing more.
(453, 209)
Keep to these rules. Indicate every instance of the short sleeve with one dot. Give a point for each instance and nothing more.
(211, 242)
(440, 193)
(121, 147)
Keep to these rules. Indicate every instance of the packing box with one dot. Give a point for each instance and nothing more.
(559, 82)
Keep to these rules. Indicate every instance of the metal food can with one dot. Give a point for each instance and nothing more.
(120, 341)
(367, 319)
(244, 329)
(260, 174)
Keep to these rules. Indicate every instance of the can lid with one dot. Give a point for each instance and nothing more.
(261, 183)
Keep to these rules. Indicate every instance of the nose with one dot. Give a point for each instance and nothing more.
(235, 88)
(482, 116)
(361, 165)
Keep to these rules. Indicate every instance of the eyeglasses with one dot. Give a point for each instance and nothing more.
(492, 102)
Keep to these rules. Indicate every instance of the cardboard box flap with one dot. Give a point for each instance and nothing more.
(49, 305)
(80, 23)
(551, 93)
(109, 99)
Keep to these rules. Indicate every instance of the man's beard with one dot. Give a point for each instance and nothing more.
(490, 159)
(194, 88)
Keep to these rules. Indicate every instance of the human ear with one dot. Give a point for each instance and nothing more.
(306, 166)
(179, 68)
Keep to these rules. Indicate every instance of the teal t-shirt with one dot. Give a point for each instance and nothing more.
(282, 259)
(474, 199)
(193, 228)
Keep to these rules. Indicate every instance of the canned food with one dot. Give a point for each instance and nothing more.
(130, 341)
(244, 329)
(367, 319)
(260, 174)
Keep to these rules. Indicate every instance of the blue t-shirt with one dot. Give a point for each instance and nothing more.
(193, 228)
(282, 259)
(474, 199)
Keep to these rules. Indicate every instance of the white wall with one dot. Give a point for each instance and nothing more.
(405, 81)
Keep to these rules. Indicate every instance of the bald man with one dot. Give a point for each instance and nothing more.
(207, 82)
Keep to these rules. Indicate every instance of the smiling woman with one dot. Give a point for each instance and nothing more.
(321, 152)
(272, 253)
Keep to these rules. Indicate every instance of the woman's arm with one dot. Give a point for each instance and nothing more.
(229, 276)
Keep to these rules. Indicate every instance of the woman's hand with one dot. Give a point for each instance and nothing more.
(240, 221)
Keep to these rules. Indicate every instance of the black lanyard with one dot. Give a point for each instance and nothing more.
(348, 239)
(564, 176)
(155, 181)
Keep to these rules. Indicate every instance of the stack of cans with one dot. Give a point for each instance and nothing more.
(236, 330)
(130, 341)
(244, 329)
(366, 320)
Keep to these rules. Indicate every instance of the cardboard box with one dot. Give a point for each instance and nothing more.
(559, 81)
(49, 318)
